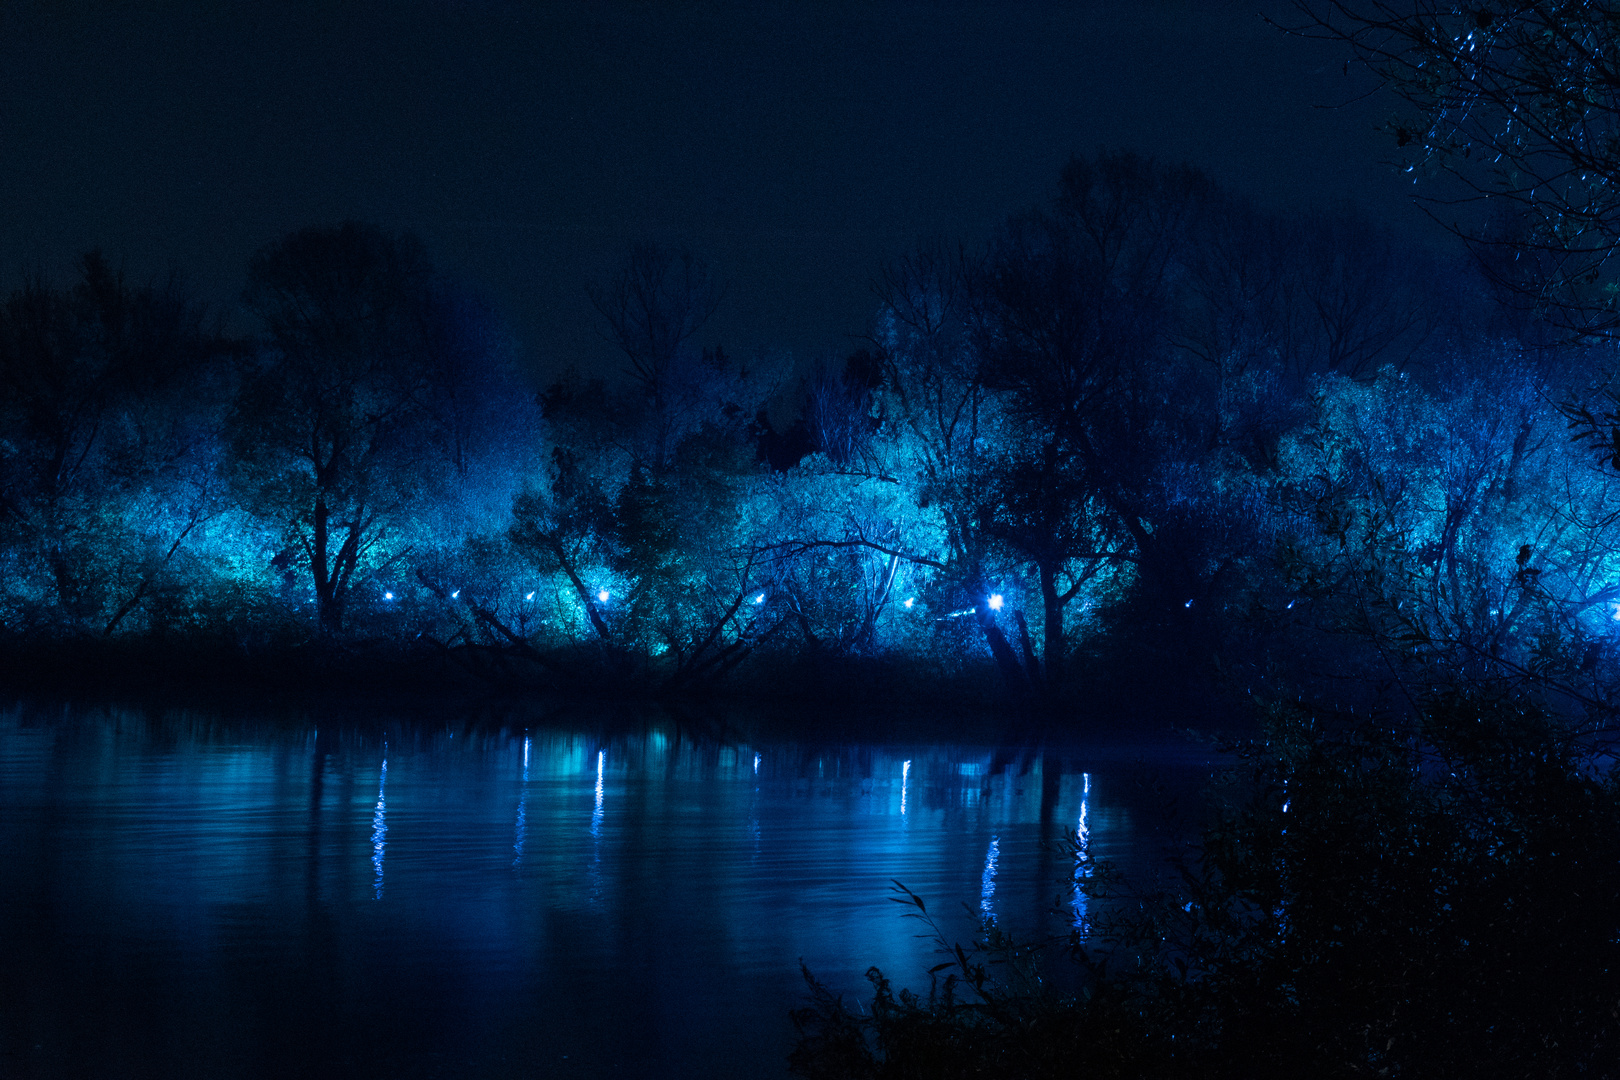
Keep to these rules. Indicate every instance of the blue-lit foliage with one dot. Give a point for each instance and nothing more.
(115, 517)
(1144, 427)
(382, 428)
(1458, 525)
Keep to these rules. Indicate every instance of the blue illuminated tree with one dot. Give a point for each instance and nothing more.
(942, 429)
(1109, 442)
(380, 412)
(108, 474)
(1455, 531)
(640, 521)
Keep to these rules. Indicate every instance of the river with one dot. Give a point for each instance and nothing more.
(183, 895)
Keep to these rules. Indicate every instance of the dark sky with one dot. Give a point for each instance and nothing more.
(793, 145)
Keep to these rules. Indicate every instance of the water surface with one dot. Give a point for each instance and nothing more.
(186, 897)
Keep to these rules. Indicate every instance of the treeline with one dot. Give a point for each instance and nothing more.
(1148, 441)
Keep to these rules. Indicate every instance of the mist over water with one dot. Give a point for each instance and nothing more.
(182, 896)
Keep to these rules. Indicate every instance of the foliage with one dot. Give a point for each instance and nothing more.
(1124, 435)
(1371, 898)
(1456, 531)
(988, 1016)
(1513, 103)
(383, 413)
(111, 401)
(649, 539)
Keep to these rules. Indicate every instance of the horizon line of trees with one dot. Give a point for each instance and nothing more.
(1146, 446)
(1145, 427)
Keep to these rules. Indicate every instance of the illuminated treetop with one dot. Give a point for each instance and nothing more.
(1513, 102)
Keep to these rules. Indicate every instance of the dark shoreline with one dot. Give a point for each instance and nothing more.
(362, 683)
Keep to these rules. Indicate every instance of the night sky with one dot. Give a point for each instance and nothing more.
(795, 146)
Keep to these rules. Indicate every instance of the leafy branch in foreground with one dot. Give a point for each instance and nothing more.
(1517, 103)
(990, 1015)
(1371, 898)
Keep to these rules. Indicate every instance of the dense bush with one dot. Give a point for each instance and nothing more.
(1433, 898)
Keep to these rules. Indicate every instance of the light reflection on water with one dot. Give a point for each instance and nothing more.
(987, 881)
(520, 829)
(379, 827)
(1082, 861)
(210, 900)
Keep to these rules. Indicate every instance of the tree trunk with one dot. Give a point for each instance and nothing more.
(328, 615)
(1032, 666)
(1006, 659)
(1054, 643)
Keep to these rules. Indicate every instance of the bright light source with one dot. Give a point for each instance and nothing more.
(455, 594)
(760, 599)
(529, 597)
(909, 601)
(388, 596)
(995, 602)
(1187, 604)
(602, 596)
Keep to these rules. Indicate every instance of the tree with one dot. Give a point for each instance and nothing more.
(654, 305)
(112, 396)
(330, 435)
(1445, 532)
(1109, 426)
(641, 522)
(942, 420)
(1515, 109)
(838, 407)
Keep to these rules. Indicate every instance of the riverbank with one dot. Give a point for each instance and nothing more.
(850, 695)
